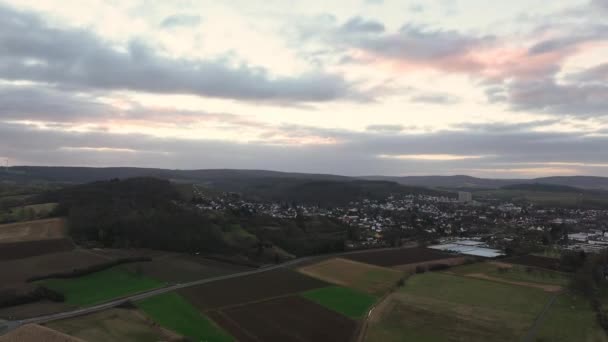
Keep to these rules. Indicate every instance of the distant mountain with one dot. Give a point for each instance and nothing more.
(235, 179)
(468, 182)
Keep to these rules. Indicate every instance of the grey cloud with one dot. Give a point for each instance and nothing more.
(360, 25)
(435, 98)
(31, 50)
(597, 74)
(549, 96)
(47, 104)
(178, 20)
(385, 128)
(374, 2)
(417, 43)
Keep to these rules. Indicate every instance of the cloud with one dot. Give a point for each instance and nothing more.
(553, 97)
(179, 20)
(31, 50)
(360, 25)
(435, 98)
(374, 2)
(385, 128)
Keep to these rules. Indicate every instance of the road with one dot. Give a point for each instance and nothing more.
(7, 326)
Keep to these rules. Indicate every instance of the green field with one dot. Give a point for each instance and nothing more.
(101, 286)
(571, 318)
(173, 312)
(442, 307)
(515, 273)
(346, 301)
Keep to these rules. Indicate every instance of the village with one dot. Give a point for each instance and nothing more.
(464, 225)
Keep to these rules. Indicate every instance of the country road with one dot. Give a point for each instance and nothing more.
(7, 326)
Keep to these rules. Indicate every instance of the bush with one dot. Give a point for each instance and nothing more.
(439, 267)
(420, 269)
(36, 295)
(79, 272)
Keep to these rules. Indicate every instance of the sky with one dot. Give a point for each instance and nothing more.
(353, 87)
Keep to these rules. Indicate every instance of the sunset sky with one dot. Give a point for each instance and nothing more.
(363, 87)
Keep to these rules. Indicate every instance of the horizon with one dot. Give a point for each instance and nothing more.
(297, 172)
(348, 87)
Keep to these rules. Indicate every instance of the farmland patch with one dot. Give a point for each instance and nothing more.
(25, 249)
(286, 319)
(343, 300)
(32, 230)
(441, 307)
(535, 261)
(101, 286)
(570, 318)
(37, 333)
(251, 288)
(364, 277)
(173, 312)
(112, 325)
(396, 257)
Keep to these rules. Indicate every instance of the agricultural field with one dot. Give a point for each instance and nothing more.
(534, 261)
(286, 319)
(25, 249)
(251, 288)
(363, 277)
(343, 300)
(515, 274)
(112, 325)
(16, 272)
(181, 268)
(442, 307)
(570, 318)
(399, 257)
(173, 312)
(101, 286)
(32, 230)
(37, 333)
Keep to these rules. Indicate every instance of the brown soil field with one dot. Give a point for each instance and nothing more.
(247, 289)
(534, 261)
(14, 272)
(114, 325)
(397, 257)
(285, 319)
(544, 287)
(25, 249)
(33, 310)
(37, 333)
(364, 277)
(32, 230)
(183, 268)
(411, 268)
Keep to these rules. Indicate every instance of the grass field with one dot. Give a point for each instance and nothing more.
(173, 312)
(350, 303)
(571, 318)
(363, 277)
(517, 273)
(442, 307)
(101, 286)
(111, 325)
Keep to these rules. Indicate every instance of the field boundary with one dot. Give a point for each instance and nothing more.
(534, 328)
